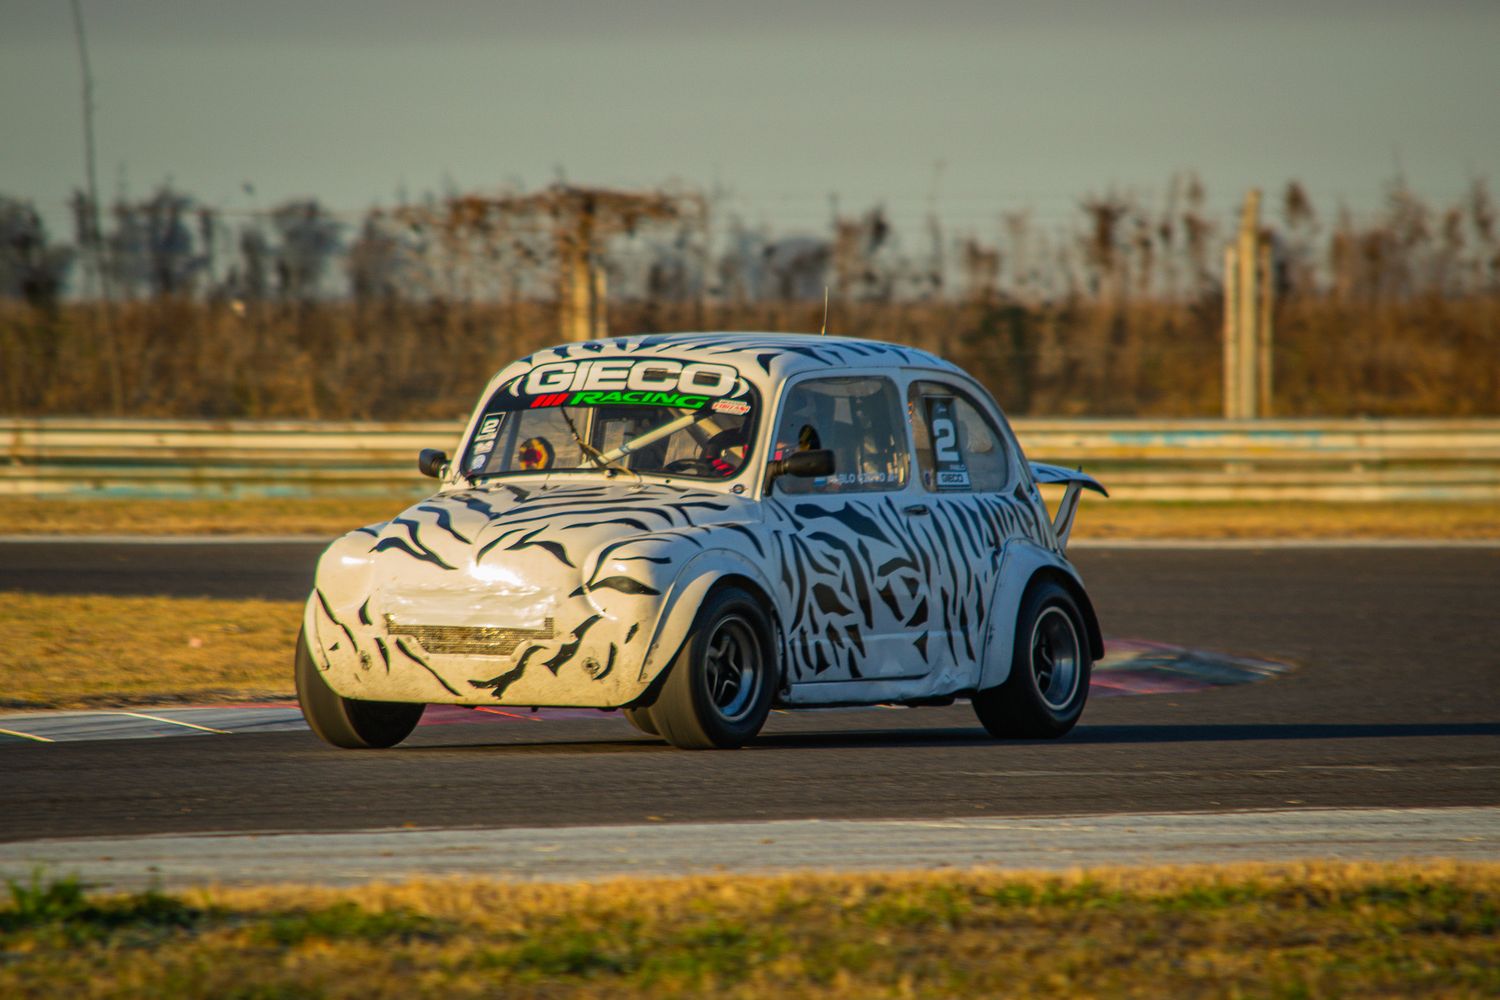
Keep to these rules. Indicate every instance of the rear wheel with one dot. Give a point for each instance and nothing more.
(1049, 670)
(718, 691)
(348, 722)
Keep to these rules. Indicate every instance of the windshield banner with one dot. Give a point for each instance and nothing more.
(687, 385)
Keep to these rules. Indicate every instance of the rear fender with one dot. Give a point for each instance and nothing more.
(1023, 563)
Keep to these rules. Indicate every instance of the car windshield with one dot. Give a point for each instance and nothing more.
(656, 417)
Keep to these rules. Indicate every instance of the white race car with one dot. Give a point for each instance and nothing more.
(696, 527)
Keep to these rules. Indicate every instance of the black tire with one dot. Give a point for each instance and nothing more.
(718, 690)
(640, 718)
(1049, 670)
(347, 722)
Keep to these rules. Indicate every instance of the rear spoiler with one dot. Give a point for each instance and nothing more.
(1076, 481)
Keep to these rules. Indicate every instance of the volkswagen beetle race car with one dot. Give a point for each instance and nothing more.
(694, 528)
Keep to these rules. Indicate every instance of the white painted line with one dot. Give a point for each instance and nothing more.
(26, 736)
(591, 853)
(175, 722)
(129, 724)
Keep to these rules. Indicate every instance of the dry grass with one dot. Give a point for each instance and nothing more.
(1097, 519)
(83, 651)
(321, 517)
(1320, 929)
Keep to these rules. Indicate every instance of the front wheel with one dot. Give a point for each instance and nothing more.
(347, 722)
(718, 691)
(640, 718)
(1049, 670)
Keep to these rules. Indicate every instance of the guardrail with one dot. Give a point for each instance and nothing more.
(1136, 459)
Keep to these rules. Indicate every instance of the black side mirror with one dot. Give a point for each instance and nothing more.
(804, 464)
(430, 462)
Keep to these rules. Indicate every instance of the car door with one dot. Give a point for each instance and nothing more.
(970, 478)
(855, 578)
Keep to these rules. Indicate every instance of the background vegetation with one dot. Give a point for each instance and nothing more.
(404, 312)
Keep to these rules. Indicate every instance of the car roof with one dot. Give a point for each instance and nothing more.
(776, 355)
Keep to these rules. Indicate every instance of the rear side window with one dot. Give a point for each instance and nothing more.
(959, 450)
(859, 420)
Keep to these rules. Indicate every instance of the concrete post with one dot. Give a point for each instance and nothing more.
(1264, 309)
(598, 299)
(1231, 333)
(1249, 296)
(574, 319)
(1248, 257)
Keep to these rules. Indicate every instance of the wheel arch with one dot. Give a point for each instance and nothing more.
(705, 573)
(1081, 598)
(1024, 565)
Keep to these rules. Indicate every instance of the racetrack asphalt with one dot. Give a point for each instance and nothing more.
(1395, 703)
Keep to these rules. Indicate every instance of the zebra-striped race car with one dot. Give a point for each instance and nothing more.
(694, 528)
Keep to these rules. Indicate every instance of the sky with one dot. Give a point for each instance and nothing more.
(979, 108)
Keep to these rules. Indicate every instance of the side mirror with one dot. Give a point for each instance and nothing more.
(804, 464)
(430, 462)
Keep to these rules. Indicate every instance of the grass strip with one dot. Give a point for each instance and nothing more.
(325, 517)
(87, 651)
(1297, 930)
(1098, 518)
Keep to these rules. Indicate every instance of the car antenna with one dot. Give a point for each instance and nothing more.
(824, 332)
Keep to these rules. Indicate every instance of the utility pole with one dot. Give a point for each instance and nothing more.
(96, 246)
(1248, 300)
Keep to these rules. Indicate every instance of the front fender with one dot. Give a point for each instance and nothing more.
(340, 583)
(697, 577)
(1021, 562)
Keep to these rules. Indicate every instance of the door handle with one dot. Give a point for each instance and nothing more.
(917, 508)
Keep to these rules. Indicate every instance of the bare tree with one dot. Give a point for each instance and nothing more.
(31, 268)
(378, 262)
(309, 238)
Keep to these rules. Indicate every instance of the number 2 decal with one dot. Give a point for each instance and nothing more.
(945, 440)
(949, 470)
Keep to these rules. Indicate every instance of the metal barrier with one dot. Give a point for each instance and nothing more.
(1136, 459)
(1277, 459)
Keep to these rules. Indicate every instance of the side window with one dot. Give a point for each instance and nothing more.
(859, 420)
(958, 449)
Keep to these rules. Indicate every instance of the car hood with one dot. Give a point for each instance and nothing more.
(512, 556)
